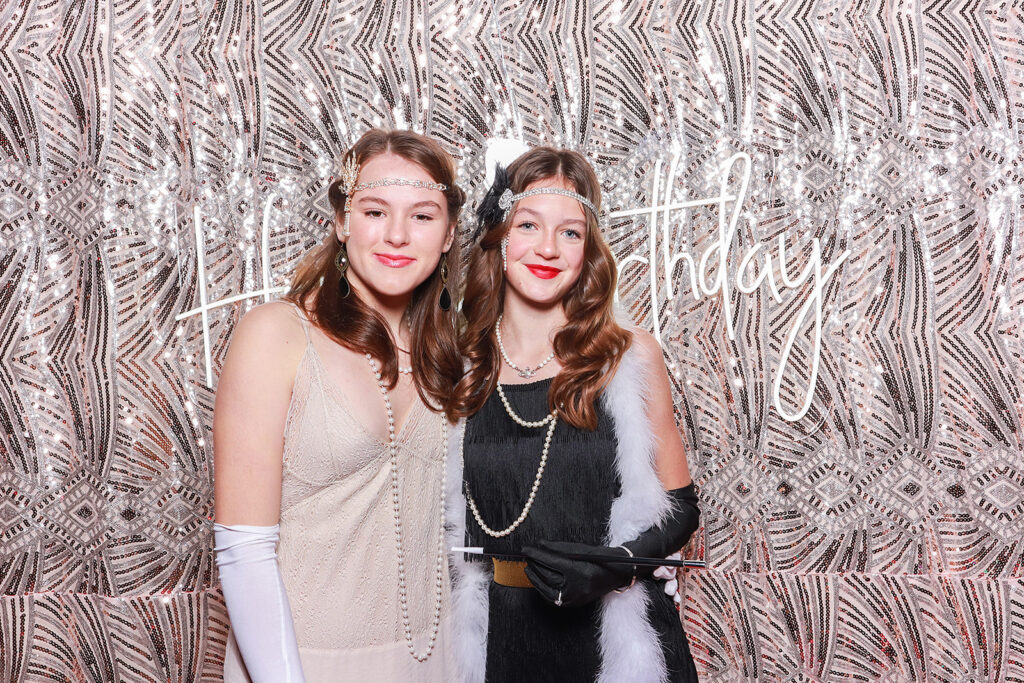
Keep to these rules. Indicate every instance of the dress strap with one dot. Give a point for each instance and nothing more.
(303, 319)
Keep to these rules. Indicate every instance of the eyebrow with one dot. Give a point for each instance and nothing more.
(427, 203)
(378, 200)
(577, 221)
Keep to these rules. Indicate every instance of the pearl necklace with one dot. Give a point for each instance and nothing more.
(525, 373)
(439, 583)
(551, 420)
(408, 370)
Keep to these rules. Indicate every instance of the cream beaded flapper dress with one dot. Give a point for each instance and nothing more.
(337, 547)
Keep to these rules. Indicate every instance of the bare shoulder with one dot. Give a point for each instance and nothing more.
(647, 347)
(275, 318)
(269, 333)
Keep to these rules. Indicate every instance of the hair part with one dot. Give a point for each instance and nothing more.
(351, 322)
(589, 346)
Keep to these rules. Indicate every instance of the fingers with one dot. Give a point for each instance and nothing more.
(538, 556)
(541, 570)
(547, 591)
(563, 547)
(545, 567)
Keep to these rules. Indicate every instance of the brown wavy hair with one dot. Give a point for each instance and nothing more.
(436, 363)
(590, 344)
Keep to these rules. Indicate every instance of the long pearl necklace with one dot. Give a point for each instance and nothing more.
(439, 583)
(408, 370)
(550, 420)
(525, 373)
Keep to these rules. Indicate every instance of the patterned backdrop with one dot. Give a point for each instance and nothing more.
(164, 165)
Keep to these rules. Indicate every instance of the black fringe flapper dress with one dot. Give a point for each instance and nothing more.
(529, 638)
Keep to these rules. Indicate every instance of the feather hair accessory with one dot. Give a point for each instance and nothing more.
(490, 212)
(348, 175)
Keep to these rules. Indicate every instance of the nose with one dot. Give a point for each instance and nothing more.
(397, 232)
(548, 246)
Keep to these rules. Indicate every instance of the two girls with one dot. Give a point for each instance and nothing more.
(333, 417)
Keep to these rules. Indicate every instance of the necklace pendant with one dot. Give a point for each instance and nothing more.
(527, 373)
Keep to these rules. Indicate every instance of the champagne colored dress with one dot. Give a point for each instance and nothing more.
(337, 547)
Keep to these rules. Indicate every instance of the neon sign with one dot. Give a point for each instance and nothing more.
(718, 254)
(715, 256)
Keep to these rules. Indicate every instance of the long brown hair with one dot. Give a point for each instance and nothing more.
(590, 344)
(436, 363)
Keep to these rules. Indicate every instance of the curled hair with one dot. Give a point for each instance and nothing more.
(436, 363)
(590, 344)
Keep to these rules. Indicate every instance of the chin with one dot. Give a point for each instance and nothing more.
(543, 296)
(392, 284)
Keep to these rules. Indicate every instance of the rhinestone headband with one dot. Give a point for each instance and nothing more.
(507, 199)
(398, 181)
(350, 173)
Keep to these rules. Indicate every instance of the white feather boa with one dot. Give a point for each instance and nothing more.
(630, 650)
(469, 579)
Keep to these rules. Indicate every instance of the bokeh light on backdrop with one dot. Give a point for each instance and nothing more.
(848, 385)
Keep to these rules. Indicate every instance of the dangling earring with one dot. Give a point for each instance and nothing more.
(445, 301)
(504, 253)
(349, 175)
(341, 263)
(348, 210)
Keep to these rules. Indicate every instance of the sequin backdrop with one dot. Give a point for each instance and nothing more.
(162, 157)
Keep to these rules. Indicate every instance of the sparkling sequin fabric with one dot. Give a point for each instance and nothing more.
(163, 165)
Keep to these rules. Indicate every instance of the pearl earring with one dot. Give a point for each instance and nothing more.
(504, 253)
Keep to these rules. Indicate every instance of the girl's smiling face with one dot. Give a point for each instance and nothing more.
(397, 232)
(546, 239)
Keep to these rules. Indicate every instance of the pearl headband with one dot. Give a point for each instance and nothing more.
(350, 173)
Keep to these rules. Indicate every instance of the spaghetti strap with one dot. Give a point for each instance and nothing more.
(303, 319)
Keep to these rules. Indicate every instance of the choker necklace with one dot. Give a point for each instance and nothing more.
(550, 420)
(525, 373)
(441, 555)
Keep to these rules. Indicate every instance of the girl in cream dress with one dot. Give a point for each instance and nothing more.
(330, 429)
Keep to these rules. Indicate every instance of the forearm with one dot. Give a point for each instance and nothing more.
(254, 592)
(673, 533)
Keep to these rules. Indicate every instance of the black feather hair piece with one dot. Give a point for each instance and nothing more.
(489, 212)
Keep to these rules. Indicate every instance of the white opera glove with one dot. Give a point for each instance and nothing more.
(261, 618)
(669, 575)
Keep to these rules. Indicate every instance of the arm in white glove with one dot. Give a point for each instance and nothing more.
(261, 618)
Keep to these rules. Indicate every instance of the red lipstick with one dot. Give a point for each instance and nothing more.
(544, 272)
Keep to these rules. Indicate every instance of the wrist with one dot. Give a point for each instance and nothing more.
(632, 579)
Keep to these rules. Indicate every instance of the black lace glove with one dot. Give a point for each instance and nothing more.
(570, 582)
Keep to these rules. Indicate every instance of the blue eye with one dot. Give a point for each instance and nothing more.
(573, 234)
(526, 225)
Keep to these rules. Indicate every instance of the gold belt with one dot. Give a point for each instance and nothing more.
(509, 573)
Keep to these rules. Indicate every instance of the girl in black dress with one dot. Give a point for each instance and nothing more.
(570, 447)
